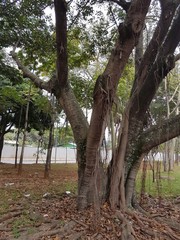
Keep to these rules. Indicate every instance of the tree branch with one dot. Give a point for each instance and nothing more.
(153, 74)
(78, 13)
(165, 21)
(122, 3)
(177, 57)
(161, 133)
(61, 43)
(9, 128)
(28, 74)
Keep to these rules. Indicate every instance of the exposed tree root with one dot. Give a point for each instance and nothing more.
(129, 224)
(81, 223)
(166, 231)
(5, 229)
(127, 230)
(177, 200)
(171, 224)
(10, 215)
(76, 235)
(60, 231)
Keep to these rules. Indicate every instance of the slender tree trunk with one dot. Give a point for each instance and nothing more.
(40, 140)
(166, 157)
(167, 144)
(25, 132)
(177, 144)
(172, 154)
(117, 191)
(17, 138)
(38, 147)
(17, 146)
(143, 180)
(49, 151)
(1, 145)
(177, 160)
(3, 124)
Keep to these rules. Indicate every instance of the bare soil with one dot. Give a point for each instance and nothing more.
(32, 207)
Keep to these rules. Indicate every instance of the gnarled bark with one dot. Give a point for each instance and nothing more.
(144, 89)
(105, 89)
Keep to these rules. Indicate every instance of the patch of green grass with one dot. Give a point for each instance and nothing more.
(3, 207)
(70, 186)
(22, 222)
(60, 188)
(8, 195)
(63, 166)
(166, 186)
(31, 230)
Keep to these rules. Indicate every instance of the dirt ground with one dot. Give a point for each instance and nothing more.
(32, 208)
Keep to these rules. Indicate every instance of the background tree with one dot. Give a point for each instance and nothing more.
(13, 97)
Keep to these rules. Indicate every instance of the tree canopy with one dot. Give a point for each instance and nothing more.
(103, 40)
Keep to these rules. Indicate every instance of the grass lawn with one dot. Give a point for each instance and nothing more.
(166, 184)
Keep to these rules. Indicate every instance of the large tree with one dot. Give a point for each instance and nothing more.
(135, 138)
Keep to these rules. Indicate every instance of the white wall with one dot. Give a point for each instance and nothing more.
(59, 155)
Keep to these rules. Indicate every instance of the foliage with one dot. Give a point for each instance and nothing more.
(34, 32)
(25, 23)
(14, 97)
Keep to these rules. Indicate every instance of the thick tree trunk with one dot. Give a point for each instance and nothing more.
(138, 147)
(133, 157)
(104, 93)
(63, 91)
(79, 126)
(139, 105)
(125, 163)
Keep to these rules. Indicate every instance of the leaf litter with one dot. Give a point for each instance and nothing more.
(48, 213)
